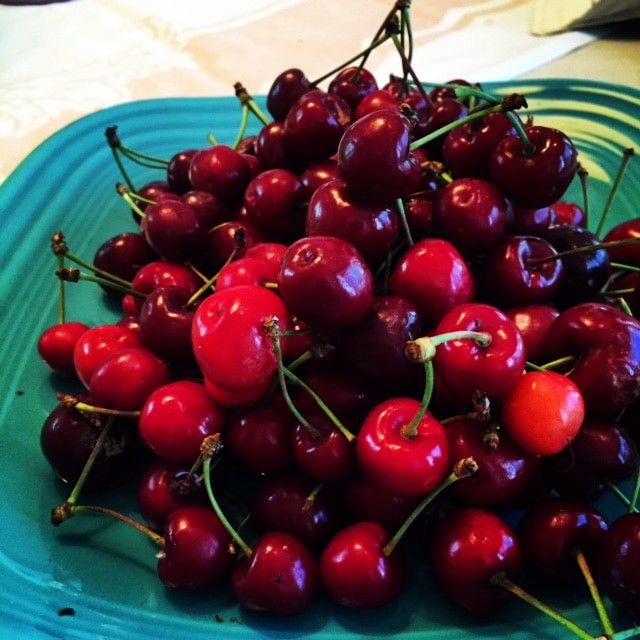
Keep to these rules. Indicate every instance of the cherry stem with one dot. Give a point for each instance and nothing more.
(633, 500)
(362, 54)
(70, 274)
(626, 156)
(143, 159)
(404, 222)
(126, 196)
(411, 430)
(111, 131)
(71, 402)
(584, 249)
(243, 126)
(507, 104)
(554, 364)
(501, 580)
(408, 68)
(88, 465)
(61, 291)
(607, 626)
(583, 175)
(625, 267)
(626, 634)
(462, 469)
(621, 497)
(211, 445)
(271, 327)
(211, 281)
(424, 348)
(309, 500)
(247, 101)
(67, 510)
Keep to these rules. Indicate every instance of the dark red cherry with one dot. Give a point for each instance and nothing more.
(625, 254)
(178, 171)
(569, 213)
(534, 321)
(287, 87)
(209, 209)
(352, 84)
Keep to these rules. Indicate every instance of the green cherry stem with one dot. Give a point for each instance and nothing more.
(71, 402)
(243, 126)
(70, 274)
(411, 430)
(626, 634)
(211, 445)
(404, 222)
(423, 349)
(553, 364)
(532, 262)
(61, 292)
(462, 469)
(625, 267)
(501, 580)
(583, 565)
(408, 67)
(507, 104)
(626, 157)
(246, 100)
(143, 159)
(615, 491)
(583, 175)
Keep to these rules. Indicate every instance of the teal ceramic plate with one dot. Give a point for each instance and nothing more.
(95, 579)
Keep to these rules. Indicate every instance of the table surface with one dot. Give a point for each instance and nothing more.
(314, 35)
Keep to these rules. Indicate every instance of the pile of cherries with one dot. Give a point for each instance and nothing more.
(380, 311)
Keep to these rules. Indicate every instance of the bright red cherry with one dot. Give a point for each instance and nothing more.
(56, 345)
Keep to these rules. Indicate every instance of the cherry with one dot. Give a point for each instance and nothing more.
(538, 174)
(222, 171)
(553, 530)
(196, 551)
(625, 254)
(372, 228)
(209, 209)
(125, 379)
(618, 562)
(68, 436)
(223, 243)
(337, 274)
(466, 366)
(297, 505)
(278, 578)
(467, 549)
(449, 284)
(543, 412)
(398, 460)
(530, 222)
(377, 100)
(353, 84)
(471, 214)
(374, 157)
(510, 276)
(269, 252)
(96, 344)
(260, 436)
(418, 210)
(270, 149)
(229, 339)
(533, 322)
(124, 255)
(567, 213)
(317, 174)
(430, 120)
(506, 473)
(245, 271)
(175, 419)
(56, 346)
(164, 488)
(314, 125)
(288, 86)
(355, 570)
(178, 171)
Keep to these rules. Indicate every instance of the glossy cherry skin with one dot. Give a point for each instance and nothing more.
(469, 547)
(506, 473)
(377, 100)
(627, 230)
(465, 366)
(619, 561)
(222, 171)
(246, 271)
(397, 464)
(176, 418)
(165, 324)
(375, 346)
(279, 578)
(530, 222)
(96, 344)
(223, 240)
(271, 152)
(372, 228)
(543, 412)
(68, 437)
(603, 452)
(534, 321)
(287, 87)
(538, 179)
(314, 125)
(338, 275)
(56, 345)
(260, 436)
(229, 339)
(449, 284)
(567, 213)
(606, 342)
(125, 379)
(471, 214)
(196, 551)
(273, 202)
(288, 504)
(209, 209)
(430, 120)
(124, 255)
(509, 276)
(551, 530)
(467, 149)
(173, 230)
(585, 273)
(374, 157)
(178, 171)
(418, 210)
(352, 84)
(356, 572)
(166, 487)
